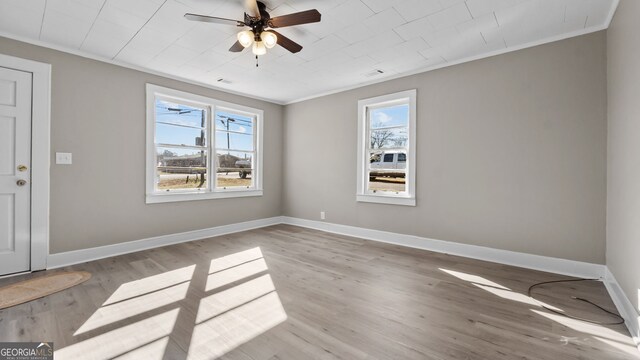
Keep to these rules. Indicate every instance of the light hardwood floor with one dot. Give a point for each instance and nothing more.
(285, 292)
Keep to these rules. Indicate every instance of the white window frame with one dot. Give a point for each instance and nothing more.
(211, 192)
(407, 198)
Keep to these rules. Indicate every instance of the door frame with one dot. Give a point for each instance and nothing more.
(40, 154)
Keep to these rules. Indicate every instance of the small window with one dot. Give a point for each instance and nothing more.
(386, 149)
(200, 148)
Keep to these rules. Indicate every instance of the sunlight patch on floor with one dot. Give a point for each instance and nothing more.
(514, 296)
(154, 350)
(627, 349)
(497, 289)
(236, 273)
(221, 334)
(587, 328)
(138, 305)
(150, 284)
(226, 300)
(474, 279)
(229, 261)
(224, 320)
(122, 340)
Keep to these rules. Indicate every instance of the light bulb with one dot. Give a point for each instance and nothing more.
(259, 48)
(245, 37)
(269, 39)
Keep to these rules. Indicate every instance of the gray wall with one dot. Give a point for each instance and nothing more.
(98, 114)
(623, 205)
(511, 153)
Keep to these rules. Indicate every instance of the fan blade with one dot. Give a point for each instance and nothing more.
(287, 43)
(237, 47)
(251, 8)
(212, 19)
(303, 17)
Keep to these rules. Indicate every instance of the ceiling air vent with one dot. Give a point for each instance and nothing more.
(224, 81)
(373, 73)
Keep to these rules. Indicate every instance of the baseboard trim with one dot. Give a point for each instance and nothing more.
(80, 256)
(624, 306)
(529, 261)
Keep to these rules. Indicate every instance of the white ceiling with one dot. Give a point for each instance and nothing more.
(355, 38)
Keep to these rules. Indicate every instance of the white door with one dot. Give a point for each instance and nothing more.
(15, 170)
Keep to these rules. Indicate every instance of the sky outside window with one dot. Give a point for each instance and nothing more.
(390, 116)
(179, 124)
(240, 134)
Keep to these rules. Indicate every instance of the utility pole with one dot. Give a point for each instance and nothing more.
(227, 125)
(202, 143)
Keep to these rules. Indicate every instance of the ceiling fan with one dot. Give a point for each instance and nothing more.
(261, 34)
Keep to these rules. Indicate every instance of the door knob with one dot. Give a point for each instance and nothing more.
(22, 168)
(21, 182)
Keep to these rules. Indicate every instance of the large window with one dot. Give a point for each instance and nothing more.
(201, 148)
(386, 149)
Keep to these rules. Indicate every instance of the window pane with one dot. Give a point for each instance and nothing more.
(389, 116)
(235, 141)
(385, 182)
(172, 113)
(402, 157)
(233, 122)
(178, 135)
(235, 169)
(387, 172)
(181, 169)
(178, 124)
(388, 138)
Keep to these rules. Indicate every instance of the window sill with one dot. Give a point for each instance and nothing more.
(193, 196)
(389, 200)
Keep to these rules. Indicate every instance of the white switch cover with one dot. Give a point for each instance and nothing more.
(63, 158)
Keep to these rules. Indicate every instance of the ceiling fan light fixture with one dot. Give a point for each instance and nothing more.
(259, 48)
(269, 39)
(246, 38)
(256, 20)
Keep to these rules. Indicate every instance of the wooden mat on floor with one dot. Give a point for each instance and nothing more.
(25, 291)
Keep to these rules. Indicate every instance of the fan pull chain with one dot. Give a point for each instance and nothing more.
(256, 60)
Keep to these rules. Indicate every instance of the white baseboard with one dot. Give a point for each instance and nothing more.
(624, 306)
(79, 256)
(529, 261)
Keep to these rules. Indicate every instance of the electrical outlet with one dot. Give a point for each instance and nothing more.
(322, 217)
(63, 158)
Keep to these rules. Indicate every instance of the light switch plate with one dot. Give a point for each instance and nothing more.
(63, 158)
